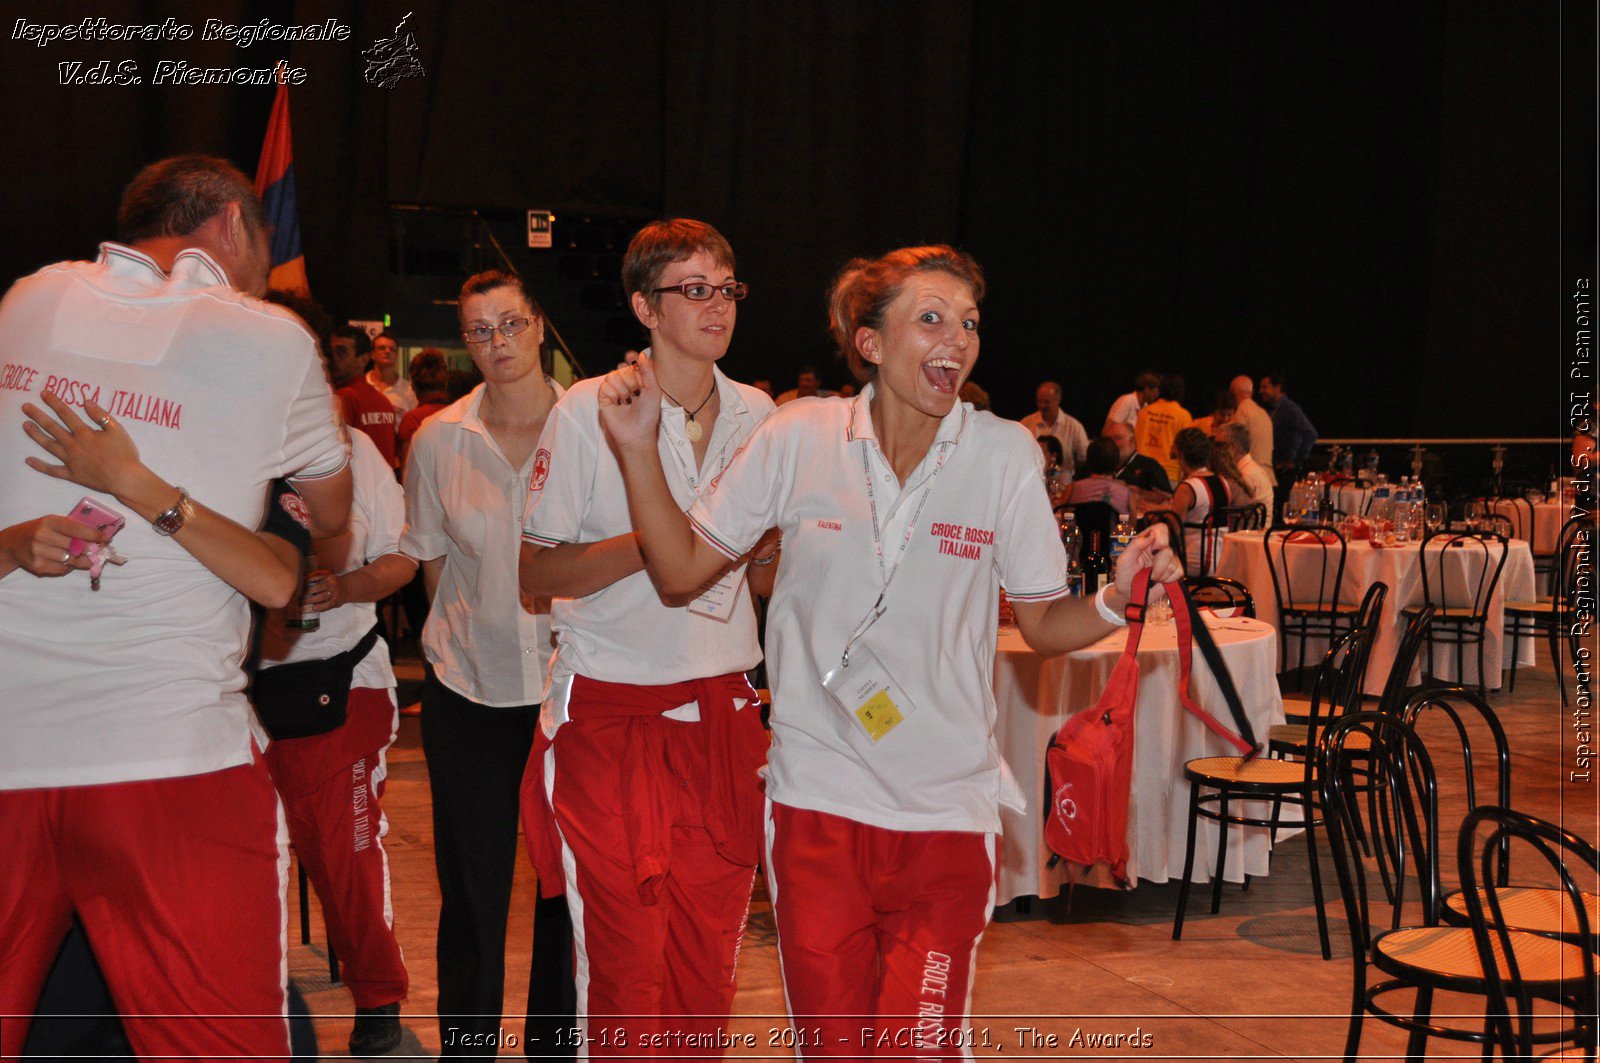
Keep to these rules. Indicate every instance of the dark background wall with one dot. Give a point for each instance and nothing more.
(1368, 196)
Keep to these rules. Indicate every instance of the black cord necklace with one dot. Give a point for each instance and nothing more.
(691, 427)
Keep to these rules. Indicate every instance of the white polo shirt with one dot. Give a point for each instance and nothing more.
(622, 633)
(377, 517)
(400, 394)
(222, 393)
(1126, 410)
(464, 502)
(986, 523)
(1069, 433)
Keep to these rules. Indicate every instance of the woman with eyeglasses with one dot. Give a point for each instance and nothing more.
(904, 512)
(466, 481)
(646, 775)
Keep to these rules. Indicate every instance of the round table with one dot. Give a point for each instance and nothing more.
(1035, 696)
(1242, 558)
(1547, 520)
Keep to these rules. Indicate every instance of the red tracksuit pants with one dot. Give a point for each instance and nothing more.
(641, 966)
(331, 785)
(878, 933)
(179, 884)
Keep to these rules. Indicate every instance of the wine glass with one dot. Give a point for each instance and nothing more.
(1436, 514)
(1473, 514)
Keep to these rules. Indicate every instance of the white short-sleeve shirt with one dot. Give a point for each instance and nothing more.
(1125, 410)
(377, 517)
(1069, 432)
(223, 394)
(623, 633)
(984, 523)
(464, 502)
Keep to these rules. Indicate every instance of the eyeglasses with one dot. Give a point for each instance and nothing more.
(484, 333)
(700, 291)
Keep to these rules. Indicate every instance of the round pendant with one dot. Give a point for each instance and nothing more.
(693, 430)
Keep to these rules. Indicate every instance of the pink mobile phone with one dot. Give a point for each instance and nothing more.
(96, 515)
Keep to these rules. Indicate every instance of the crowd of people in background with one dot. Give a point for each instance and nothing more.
(1153, 453)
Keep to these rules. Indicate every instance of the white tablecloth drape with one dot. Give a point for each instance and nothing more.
(1547, 520)
(1036, 696)
(1242, 558)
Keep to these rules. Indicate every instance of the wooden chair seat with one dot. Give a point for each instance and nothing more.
(1449, 952)
(1532, 608)
(1456, 613)
(1239, 774)
(1295, 735)
(1326, 609)
(1536, 909)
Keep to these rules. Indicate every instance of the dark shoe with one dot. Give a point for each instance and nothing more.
(377, 1030)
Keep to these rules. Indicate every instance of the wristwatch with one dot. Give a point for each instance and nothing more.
(173, 520)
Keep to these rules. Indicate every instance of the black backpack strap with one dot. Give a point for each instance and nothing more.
(1219, 670)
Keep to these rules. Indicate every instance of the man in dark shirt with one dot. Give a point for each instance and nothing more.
(1135, 469)
(1293, 434)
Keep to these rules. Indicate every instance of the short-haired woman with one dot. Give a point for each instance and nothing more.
(903, 513)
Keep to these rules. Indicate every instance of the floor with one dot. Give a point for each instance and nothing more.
(1099, 978)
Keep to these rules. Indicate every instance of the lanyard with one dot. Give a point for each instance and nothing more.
(878, 607)
(688, 473)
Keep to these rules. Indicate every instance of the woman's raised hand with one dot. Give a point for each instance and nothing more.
(630, 404)
(1149, 549)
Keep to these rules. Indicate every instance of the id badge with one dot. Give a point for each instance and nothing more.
(868, 694)
(719, 600)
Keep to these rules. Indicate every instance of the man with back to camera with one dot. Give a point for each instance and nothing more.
(133, 793)
(1257, 420)
(1160, 422)
(1051, 420)
(1293, 434)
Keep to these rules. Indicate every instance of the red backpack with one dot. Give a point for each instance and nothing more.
(1089, 765)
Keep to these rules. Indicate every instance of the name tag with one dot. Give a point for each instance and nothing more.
(868, 694)
(718, 600)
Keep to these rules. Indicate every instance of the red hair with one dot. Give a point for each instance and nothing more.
(865, 288)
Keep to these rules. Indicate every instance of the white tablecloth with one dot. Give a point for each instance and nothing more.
(1036, 696)
(1243, 559)
(1547, 520)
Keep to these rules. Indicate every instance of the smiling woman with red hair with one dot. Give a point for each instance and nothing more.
(885, 783)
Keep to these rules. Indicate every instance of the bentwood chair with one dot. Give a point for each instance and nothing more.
(1252, 517)
(1482, 741)
(1308, 593)
(1234, 779)
(1521, 966)
(1220, 594)
(1460, 571)
(1417, 953)
(1552, 617)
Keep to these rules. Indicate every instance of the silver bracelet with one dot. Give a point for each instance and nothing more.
(1106, 612)
(764, 561)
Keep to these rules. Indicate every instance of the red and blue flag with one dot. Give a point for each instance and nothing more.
(275, 186)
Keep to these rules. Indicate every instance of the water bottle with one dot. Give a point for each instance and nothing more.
(1120, 538)
(1400, 510)
(1380, 509)
(1072, 542)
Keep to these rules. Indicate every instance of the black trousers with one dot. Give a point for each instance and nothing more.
(476, 755)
